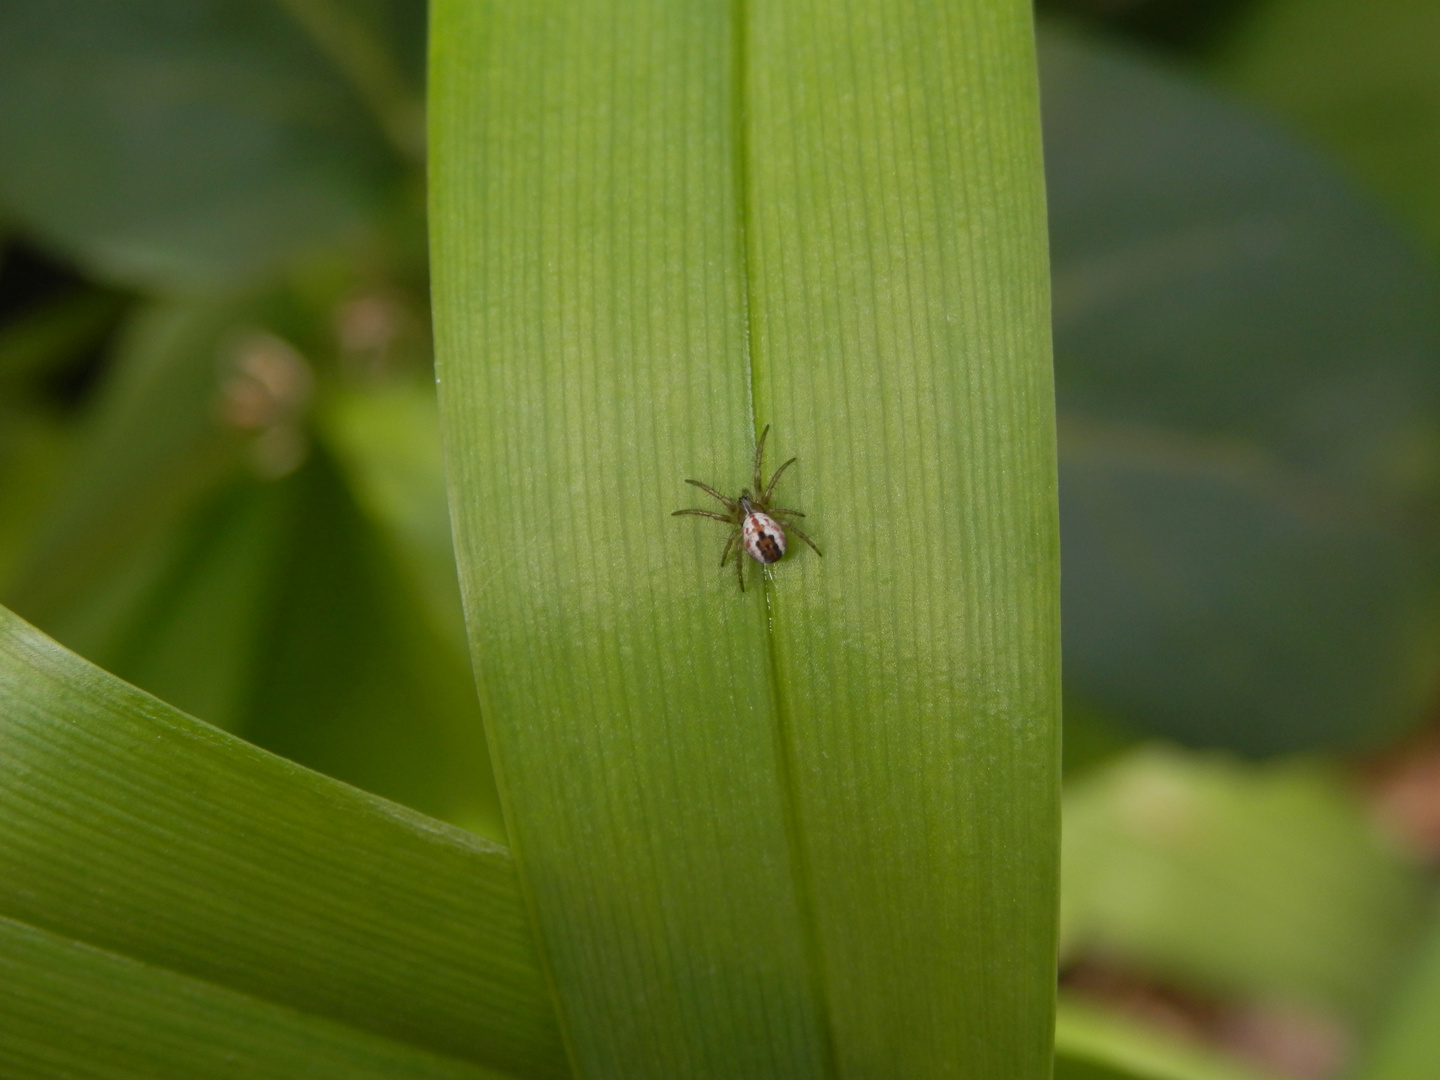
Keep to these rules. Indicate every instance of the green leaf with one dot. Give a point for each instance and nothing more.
(807, 829)
(128, 827)
(73, 1011)
(899, 317)
(176, 144)
(1257, 882)
(1249, 423)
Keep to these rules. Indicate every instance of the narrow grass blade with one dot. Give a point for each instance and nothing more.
(132, 828)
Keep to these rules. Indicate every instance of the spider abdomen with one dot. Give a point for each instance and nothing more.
(763, 538)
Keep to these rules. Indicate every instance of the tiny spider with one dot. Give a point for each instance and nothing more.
(756, 523)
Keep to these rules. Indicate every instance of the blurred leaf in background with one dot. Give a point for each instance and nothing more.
(54, 332)
(178, 145)
(1250, 422)
(1266, 882)
(1359, 79)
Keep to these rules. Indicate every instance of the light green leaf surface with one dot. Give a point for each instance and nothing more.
(132, 829)
(899, 323)
(806, 830)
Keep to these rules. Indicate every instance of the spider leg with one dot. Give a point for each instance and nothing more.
(731, 503)
(729, 541)
(785, 513)
(807, 540)
(705, 514)
(740, 567)
(766, 497)
(760, 453)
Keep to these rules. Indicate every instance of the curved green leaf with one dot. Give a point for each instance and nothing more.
(131, 828)
(73, 1011)
(808, 829)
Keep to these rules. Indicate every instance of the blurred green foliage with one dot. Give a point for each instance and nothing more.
(178, 146)
(222, 477)
(1249, 420)
(1358, 79)
(1267, 882)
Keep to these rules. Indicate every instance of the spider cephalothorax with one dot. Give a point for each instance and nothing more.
(755, 523)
